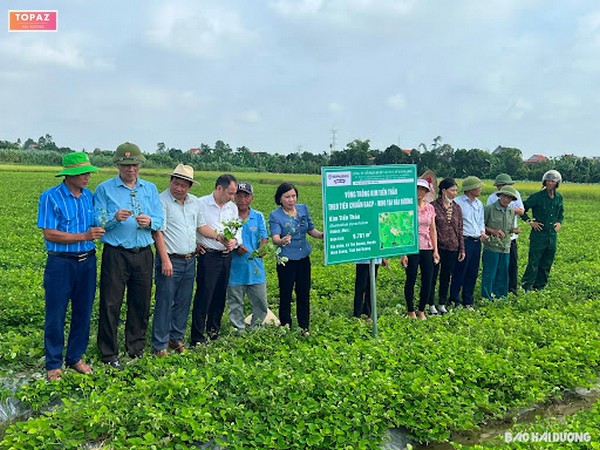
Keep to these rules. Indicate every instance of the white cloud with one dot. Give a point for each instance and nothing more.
(297, 8)
(519, 108)
(397, 101)
(36, 51)
(248, 117)
(189, 28)
(335, 107)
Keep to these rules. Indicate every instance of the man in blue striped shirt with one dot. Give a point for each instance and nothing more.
(66, 216)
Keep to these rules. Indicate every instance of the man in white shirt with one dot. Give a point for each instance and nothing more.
(214, 260)
(502, 180)
(466, 271)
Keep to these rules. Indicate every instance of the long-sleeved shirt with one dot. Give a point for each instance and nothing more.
(499, 218)
(112, 195)
(518, 203)
(546, 210)
(472, 213)
(449, 227)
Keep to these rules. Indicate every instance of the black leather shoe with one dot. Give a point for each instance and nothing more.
(115, 364)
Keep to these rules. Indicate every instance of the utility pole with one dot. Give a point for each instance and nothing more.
(332, 145)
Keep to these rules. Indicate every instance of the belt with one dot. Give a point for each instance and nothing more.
(186, 257)
(223, 253)
(476, 239)
(129, 250)
(80, 257)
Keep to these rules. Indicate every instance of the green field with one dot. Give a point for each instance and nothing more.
(339, 388)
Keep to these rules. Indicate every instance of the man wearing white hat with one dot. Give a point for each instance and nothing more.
(175, 245)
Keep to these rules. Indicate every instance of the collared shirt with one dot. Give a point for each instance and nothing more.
(245, 271)
(546, 210)
(472, 212)
(181, 222)
(282, 224)
(215, 216)
(518, 203)
(426, 215)
(112, 195)
(62, 211)
(499, 218)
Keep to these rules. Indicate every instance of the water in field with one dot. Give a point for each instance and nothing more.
(580, 399)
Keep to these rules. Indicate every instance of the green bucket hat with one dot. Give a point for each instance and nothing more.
(508, 190)
(128, 153)
(503, 179)
(76, 163)
(471, 183)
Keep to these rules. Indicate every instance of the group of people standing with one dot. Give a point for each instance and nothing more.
(215, 244)
(210, 242)
(454, 229)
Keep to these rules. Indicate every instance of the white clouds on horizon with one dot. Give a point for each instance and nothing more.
(194, 29)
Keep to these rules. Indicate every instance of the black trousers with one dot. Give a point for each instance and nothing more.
(212, 278)
(513, 268)
(448, 259)
(424, 260)
(362, 290)
(120, 269)
(295, 275)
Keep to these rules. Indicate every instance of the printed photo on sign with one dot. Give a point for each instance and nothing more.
(396, 229)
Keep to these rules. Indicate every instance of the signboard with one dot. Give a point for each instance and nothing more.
(369, 212)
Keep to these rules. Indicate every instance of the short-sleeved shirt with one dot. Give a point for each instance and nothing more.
(245, 271)
(426, 216)
(60, 210)
(282, 224)
(216, 216)
(181, 222)
(112, 195)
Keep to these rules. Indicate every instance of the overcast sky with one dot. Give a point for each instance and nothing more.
(280, 75)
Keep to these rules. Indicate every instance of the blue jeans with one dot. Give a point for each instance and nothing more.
(64, 280)
(494, 276)
(465, 273)
(173, 299)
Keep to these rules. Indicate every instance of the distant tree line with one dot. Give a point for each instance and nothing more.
(441, 158)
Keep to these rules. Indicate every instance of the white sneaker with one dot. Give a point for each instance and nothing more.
(442, 309)
(432, 310)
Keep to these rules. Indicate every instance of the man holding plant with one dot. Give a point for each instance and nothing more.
(248, 276)
(129, 209)
(214, 259)
(66, 217)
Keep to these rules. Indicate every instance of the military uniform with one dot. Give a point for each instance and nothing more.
(542, 244)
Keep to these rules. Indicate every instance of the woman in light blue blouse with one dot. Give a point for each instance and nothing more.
(289, 225)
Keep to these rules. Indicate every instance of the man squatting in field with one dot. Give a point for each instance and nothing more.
(66, 216)
(129, 208)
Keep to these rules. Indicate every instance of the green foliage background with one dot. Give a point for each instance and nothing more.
(339, 388)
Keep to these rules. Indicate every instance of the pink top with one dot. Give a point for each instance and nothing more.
(426, 216)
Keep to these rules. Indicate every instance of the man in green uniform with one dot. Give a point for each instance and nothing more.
(548, 212)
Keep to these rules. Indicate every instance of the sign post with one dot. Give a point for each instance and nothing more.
(369, 212)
